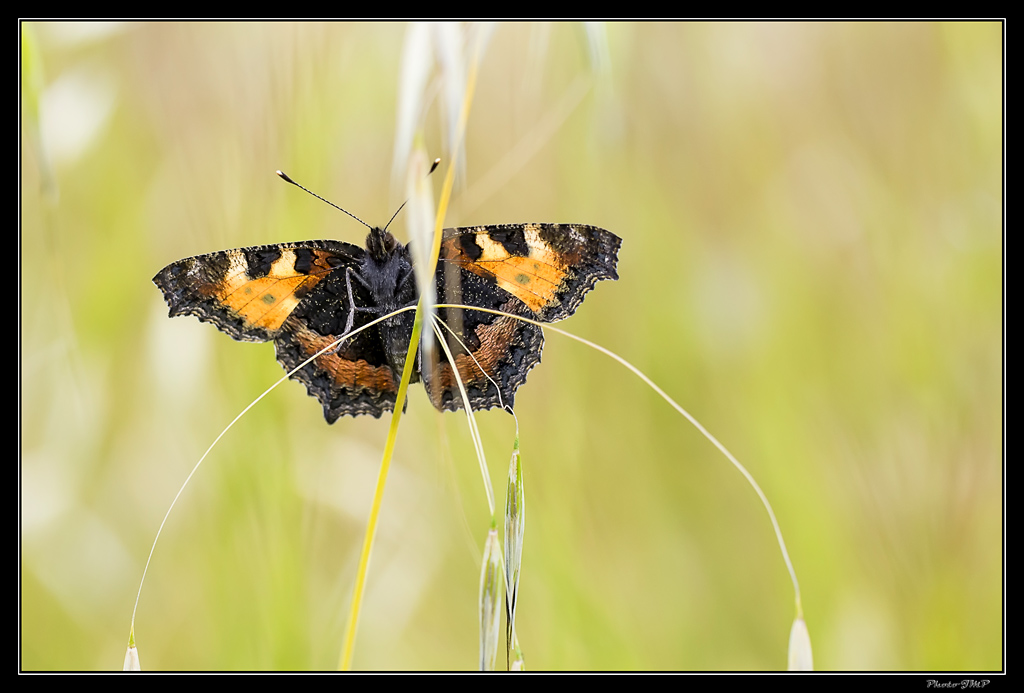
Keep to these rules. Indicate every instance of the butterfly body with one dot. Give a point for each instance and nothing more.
(305, 296)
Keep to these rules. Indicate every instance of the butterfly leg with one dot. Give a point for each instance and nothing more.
(351, 302)
(352, 307)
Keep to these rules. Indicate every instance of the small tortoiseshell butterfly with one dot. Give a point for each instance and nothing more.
(304, 296)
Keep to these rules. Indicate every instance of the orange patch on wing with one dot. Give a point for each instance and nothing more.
(267, 302)
(533, 279)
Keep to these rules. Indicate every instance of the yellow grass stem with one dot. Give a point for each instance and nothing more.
(403, 387)
(378, 496)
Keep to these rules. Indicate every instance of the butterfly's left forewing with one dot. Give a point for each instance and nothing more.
(249, 293)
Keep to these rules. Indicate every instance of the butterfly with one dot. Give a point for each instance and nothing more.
(304, 296)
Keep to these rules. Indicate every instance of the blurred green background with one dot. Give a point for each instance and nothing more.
(811, 264)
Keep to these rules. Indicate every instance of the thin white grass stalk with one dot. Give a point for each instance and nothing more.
(420, 219)
(420, 222)
(474, 432)
(228, 428)
(714, 441)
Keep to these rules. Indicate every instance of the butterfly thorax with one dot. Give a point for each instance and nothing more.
(386, 272)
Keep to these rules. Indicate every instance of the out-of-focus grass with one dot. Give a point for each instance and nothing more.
(811, 264)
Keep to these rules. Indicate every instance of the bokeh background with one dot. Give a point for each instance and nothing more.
(812, 265)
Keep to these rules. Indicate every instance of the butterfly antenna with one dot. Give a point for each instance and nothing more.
(285, 176)
(433, 167)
